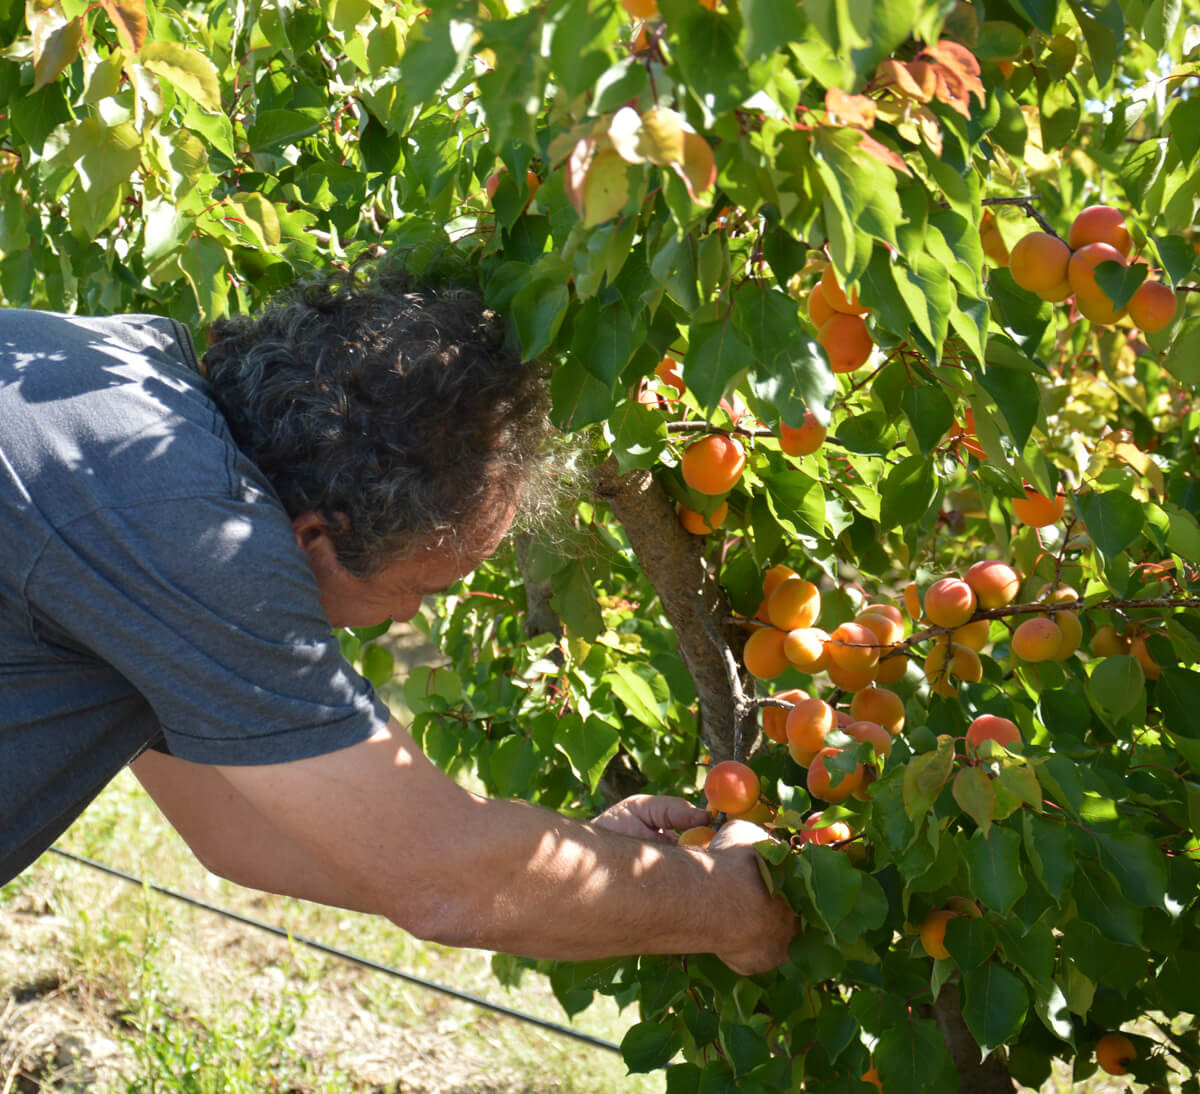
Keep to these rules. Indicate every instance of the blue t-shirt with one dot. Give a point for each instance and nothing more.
(150, 581)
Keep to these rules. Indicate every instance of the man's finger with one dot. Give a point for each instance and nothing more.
(737, 833)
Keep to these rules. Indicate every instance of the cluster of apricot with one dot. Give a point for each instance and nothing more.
(1043, 264)
(841, 329)
(1107, 641)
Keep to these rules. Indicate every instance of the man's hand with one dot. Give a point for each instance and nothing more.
(764, 925)
(652, 817)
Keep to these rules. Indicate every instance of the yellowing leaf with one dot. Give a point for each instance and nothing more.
(625, 132)
(259, 215)
(699, 167)
(881, 152)
(606, 188)
(129, 17)
(55, 44)
(896, 74)
(575, 173)
(662, 136)
(187, 71)
(850, 109)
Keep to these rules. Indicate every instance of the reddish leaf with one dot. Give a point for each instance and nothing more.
(129, 17)
(699, 167)
(850, 109)
(55, 45)
(885, 155)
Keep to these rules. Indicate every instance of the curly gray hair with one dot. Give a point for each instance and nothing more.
(393, 408)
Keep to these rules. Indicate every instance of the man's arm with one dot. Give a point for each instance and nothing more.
(379, 828)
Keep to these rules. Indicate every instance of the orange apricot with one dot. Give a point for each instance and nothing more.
(774, 576)
(774, 719)
(758, 813)
(1100, 224)
(1152, 306)
(853, 646)
(995, 583)
(793, 604)
(1037, 639)
(1036, 510)
(993, 242)
(1058, 293)
(1151, 669)
(713, 464)
(887, 630)
(1114, 1053)
(700, 836)
(933, 933)
(763, 653)
(730, 787)
(847, 342)
(991, 727)
(801, 756)
(699, 524)
(667, 370)
(836, 298)
(949, 602)
(879, 705)
(802, 440)
(808, 723)
(851, 679)
(813, 831)
(891, 668)
(889, 611)
(873, 734)
(805, 648)
(912, 601)
(641, 9)
(948, 662)
(1091, 300)
(818, 779)
(819, 309)
(1108, 642)
(1072, 634)
(973, 635)
(1038, 262)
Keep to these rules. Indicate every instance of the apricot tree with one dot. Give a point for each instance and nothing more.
(986, 812)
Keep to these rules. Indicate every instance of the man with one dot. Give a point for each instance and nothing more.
(176, 541)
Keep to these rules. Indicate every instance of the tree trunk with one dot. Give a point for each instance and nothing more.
(693, 601)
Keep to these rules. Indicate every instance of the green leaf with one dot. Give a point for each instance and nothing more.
(1041, 13)
(1114, 520)
(994, 868)
(1183, 358)
(707, 48)
(588, 747)
(975, 796)
(1117, 685)
(925, 776)
(1103, 26)
(187, 70)
(995, 1002)
(378, 664)
(276, 129)
(715, 355)
(648, 1046)
(512, 765)
(630, 685)
(1119, 281)
(1137, 865)
(577, 397)
(1102, 904)
(1016, 393)
(911, 1055)
(1178, 695)
(1050, 1004)
(769, 25)
(205, 264)
(907, 492)
(832, 882)
(55, 50)
(971, 941)
(574, 600)
(637, 435)
(538, 311)
(929, 413)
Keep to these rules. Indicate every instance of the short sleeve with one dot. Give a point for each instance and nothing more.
(208, 607)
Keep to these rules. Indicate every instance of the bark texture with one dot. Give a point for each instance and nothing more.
(693, 601)
(974, 1077)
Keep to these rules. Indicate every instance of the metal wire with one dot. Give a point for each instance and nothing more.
(344, 955)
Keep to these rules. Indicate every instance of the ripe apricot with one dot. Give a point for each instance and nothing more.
(700, 836)
(992, 241)
(1058, 293)
(889, 611)
(991, 727)
(1091, 300)
(713, 464)
(836, 298)
(972, 635)
(949, 602)
(667, 370)
(763, 653)
(995, 583)
(853, 646)
(808, 723)
(1114, 1053)
(794, 603)
(912, 601)
(1072, 634)
(774, 719)
(879, 705)
(891, 668)
(758, 813)
(1100, 224)
(819, 309)
(802, 440)
(641, 9)
(933, 933)
(1036, 510)
(1038, 262)
(1151, 669)
(801, 756)
(813, 831)
(1037, 639)
(699, 524)
(847, 342)
(730, 787)
(948, 662)
(851, 679)
(1108, 642)
(873, 734)
(887, 631)
(805, 648)
(774, 576)
(818, 779)
(1152, 306)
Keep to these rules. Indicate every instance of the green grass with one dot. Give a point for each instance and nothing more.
(201, 1004)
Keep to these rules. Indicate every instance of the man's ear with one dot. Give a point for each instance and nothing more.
(310, 527)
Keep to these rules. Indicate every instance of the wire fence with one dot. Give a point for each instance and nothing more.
(344, 955)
